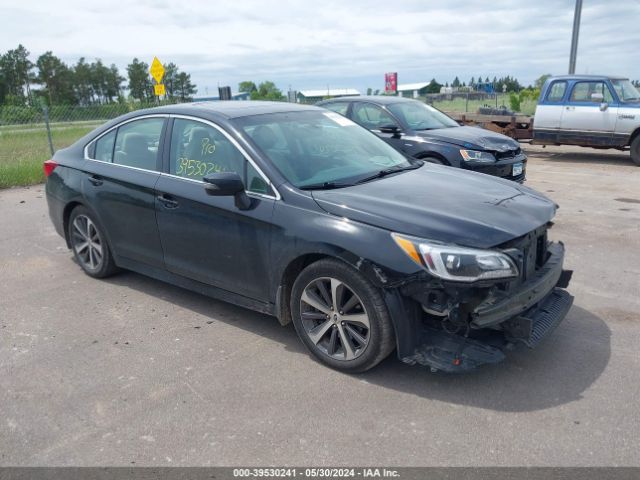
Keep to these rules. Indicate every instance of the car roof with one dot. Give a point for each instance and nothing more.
(587, 77)
(379, 99)
(229, 108)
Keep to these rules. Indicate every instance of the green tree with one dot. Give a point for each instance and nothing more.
(113, 86)
(184, 88)
(267, 91)
(433, 87)
(456, 82)
(541, 79)
(170, 80)
(56, 78)
(140, 86)
(247, 86)
(17, 74)
(82, 82)
(369, 91)
(514, 102)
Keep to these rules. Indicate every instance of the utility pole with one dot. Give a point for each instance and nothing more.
(574, 37)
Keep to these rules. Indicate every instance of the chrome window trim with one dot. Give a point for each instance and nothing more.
(196, 119)
(239, 147)
(141, 117)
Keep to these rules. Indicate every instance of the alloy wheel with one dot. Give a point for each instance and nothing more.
(334, 318)
(86, 242)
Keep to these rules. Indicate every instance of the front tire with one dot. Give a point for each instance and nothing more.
(635, 150)
(89, 244)
(341, 317)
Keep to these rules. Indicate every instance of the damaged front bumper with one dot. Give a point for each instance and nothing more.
(526, 314)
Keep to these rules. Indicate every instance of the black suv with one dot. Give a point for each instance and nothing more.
(424, 132)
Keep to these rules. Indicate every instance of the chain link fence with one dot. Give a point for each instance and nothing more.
(30, 135)
(486, 103)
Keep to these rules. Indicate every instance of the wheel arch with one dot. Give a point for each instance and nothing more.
(372, 272)
(66, 215)
(288, 277)
(433, 154)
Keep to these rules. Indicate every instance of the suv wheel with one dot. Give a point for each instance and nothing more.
(341, 317)
(89, 244)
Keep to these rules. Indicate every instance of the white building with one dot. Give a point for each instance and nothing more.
(311, 96)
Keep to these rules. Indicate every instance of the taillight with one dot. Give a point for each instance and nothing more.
(48, 167)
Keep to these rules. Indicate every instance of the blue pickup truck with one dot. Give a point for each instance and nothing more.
(591, 111)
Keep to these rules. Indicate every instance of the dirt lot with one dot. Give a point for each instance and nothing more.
(132, 371)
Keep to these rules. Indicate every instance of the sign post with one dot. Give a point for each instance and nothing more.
(157, 72)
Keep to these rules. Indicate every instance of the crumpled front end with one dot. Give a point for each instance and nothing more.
(456, 327)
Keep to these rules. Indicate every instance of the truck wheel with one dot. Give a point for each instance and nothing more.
(635, 150)
(341, 317)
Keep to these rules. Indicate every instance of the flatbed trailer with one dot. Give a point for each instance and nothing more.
(518, 127)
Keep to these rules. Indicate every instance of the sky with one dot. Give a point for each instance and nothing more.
(343, 44)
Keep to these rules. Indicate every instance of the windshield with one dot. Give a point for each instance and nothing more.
(626, 91)
(419, 116)
(319, 147)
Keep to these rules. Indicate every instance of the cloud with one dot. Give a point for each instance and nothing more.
(342, 44)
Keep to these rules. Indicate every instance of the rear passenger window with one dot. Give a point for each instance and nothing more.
(104, 147)
(338, 107)
(556, 92)
(137, 143)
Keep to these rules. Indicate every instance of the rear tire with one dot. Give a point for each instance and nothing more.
(89, 244)
(635, 150)
(341, 317)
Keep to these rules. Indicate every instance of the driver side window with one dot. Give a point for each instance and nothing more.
(371, 116)
(582, 92)
(198, 149)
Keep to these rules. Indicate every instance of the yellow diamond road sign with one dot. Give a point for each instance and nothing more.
(156, 70)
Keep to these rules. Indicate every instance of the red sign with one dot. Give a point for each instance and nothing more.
(391, 82)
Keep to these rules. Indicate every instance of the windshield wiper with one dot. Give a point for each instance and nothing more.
(325, 186)
(389, 171)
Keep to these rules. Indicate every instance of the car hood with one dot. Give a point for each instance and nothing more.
(471, 137)
(443, 204)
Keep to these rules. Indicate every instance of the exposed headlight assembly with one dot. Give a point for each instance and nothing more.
(458, 264)
(477, 156)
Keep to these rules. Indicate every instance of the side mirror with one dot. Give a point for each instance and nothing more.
(604, 106)
(392, 129)
(597, 97)
(227, 184)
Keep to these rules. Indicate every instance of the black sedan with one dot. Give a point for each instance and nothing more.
(297, 212)
(424, 132)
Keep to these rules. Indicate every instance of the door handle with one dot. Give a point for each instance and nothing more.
(167, 201)
(95, 180)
